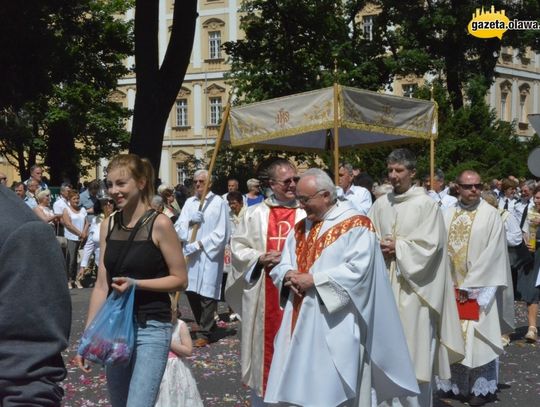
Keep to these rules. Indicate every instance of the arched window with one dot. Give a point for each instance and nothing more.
(215, 103)
(214, 28)
(181, 108)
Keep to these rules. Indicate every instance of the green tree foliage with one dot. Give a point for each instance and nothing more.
(473, 138)
(290, 47)
(59, 107)
(293, 46)
(431, 37)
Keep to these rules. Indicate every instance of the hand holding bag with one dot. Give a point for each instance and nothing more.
(110, 338)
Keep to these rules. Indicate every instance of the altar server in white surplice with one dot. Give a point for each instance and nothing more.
(256, 248)
(340, 336)
(481, 270)
(413, 241)
(205, 254)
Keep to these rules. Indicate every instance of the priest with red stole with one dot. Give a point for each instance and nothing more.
(256, 248)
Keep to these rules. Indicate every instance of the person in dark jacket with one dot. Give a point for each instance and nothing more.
(35, 308)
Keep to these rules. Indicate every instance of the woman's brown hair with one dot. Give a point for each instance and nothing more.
(139, 168)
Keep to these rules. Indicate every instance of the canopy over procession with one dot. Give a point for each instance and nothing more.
(346, 294)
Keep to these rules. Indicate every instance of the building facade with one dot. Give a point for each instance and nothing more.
(194, 120)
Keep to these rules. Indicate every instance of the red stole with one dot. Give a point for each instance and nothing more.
(280, 223)
(309, 249)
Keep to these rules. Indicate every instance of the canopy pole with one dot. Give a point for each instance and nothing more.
(336, 133)
(217, 146)
(432, 146)
(432, 160)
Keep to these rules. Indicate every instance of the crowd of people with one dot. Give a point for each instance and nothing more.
(395, 289)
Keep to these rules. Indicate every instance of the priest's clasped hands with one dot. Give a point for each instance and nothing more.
(388, 246)
(270, 258)
(298, 282)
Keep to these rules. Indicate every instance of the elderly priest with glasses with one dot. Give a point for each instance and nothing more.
(340, 336)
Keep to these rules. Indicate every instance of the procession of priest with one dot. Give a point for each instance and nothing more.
(355, 293)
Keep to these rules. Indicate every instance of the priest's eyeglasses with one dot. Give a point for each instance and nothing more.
(305, 199)
(287, 181)
(470, 186)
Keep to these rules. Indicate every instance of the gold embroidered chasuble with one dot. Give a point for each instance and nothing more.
(458, 243)
(479, 258)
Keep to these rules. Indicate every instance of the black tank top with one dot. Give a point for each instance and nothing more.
(142, 261)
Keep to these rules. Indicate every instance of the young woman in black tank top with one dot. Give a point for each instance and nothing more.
(154, 264)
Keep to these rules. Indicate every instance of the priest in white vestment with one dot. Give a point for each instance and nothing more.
(256, 248)
(412, 236)
(481, 271)
(340, 342)
(205, 255)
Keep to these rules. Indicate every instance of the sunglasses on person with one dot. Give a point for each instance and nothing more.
(287, 181)
(470, 186)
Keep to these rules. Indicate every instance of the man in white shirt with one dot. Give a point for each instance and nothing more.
(36, 173)
(61, 202)
(507, 200)
(233, 185)
(496, 187)
(524, 203)
(438, 192)
(89, 199)
(32, 189)
(205, 254)
(359, 196)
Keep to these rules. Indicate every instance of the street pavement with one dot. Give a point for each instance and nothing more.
(217, 367)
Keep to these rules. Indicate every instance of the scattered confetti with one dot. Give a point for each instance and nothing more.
(216, 368)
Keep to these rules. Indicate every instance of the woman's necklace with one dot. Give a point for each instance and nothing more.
(132, 221)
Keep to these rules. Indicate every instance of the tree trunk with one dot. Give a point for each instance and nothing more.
(454, 86)
(62, 155)
(157, 87)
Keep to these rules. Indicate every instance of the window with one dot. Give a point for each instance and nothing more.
(181, 173)
(214, 45)
(181, 113)
(367, 27)
(504, 97)
(409, 89)
(215, 111)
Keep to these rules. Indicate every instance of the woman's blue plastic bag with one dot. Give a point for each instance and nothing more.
(110, 337)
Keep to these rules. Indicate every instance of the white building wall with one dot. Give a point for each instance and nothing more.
(165, 167)
(197, 110)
